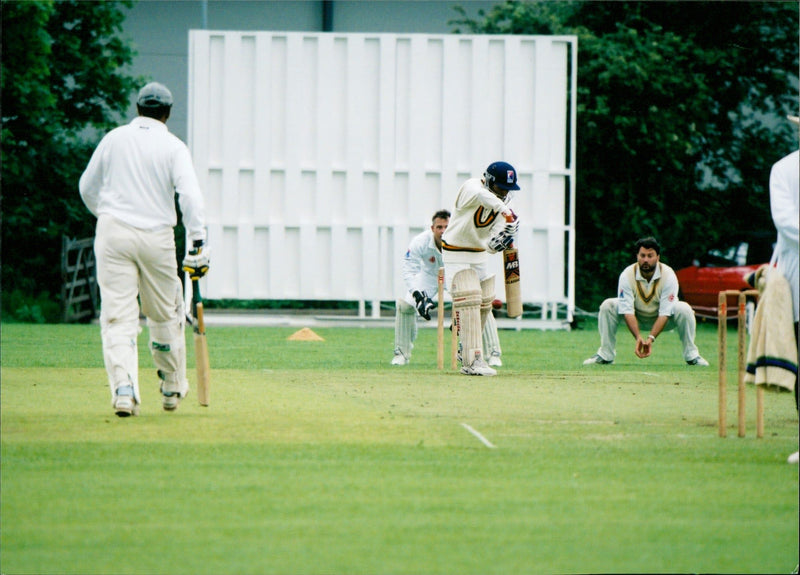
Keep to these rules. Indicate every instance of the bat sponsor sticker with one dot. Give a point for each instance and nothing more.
(512, 267)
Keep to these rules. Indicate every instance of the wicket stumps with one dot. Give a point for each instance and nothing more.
(440, 329)
(722, 322)
(440, 320)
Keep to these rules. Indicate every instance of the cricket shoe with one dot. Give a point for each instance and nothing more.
(124, 402)
(399, 358)
(478, 367)
(598, 360)
(171, 391)
(793, 458)
(698, 361)
(494, 360)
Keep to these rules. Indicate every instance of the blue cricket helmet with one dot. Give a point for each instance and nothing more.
(501, 174)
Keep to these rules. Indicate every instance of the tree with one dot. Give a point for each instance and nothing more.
(681, 109)
(63, 78)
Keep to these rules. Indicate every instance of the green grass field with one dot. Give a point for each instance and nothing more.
(320, 457)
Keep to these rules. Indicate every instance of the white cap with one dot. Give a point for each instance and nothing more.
(154, 95)
(794, 119)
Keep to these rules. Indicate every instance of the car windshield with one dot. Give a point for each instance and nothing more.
(742, 253)
(732, 256)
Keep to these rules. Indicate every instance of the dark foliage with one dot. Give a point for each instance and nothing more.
(63, 85)
(681, 114)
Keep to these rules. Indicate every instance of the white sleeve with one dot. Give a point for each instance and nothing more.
(499, 224)
(91, 181)
(782, 206)
(625, 290)
(412, 265)
(669, 294)
(489, 200)
(474, 190)
(189, 195)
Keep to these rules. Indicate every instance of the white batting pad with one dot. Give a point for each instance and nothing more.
(466, 290)
(168, 348)
(487, 297)
(405, 328)
(491, 341)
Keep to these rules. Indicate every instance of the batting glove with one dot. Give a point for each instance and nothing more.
(501, 241)
(196, 261)
(424, 304)
(512, 227)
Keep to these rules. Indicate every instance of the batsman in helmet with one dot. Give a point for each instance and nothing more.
(420, 275)
(130, 185)
(481, 224)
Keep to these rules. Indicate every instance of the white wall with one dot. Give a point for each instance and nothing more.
(321, 155)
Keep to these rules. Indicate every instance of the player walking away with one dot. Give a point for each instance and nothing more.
(130, 185)
(784, 198)
(420, 274)
(482, 224)
(648, 301)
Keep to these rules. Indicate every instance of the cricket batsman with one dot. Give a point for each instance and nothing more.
(130, 185)
(420, 274)
(481, 224)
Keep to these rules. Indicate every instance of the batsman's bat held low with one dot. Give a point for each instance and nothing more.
(511, 274)
(200, 346)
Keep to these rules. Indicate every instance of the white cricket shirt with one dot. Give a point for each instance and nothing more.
(421, 264)
(134, 173)
(476, 218)
(649, 298)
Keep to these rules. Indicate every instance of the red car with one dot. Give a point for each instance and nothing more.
(723, 269)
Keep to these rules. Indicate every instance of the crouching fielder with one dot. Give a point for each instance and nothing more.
(130, 185)
(420, 274)
(481, 224)
(647, 301)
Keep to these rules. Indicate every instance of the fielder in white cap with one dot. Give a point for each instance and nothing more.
(130, 185)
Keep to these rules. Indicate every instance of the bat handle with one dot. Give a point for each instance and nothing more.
(196, 297)
(197, 308)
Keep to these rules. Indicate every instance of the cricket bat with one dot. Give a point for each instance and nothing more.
(511, 272)
(200, 346)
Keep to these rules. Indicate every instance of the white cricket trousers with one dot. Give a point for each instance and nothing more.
(609, 320)
(131, 263)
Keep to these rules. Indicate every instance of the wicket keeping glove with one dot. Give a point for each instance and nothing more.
(196, 261)
(424, 304)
